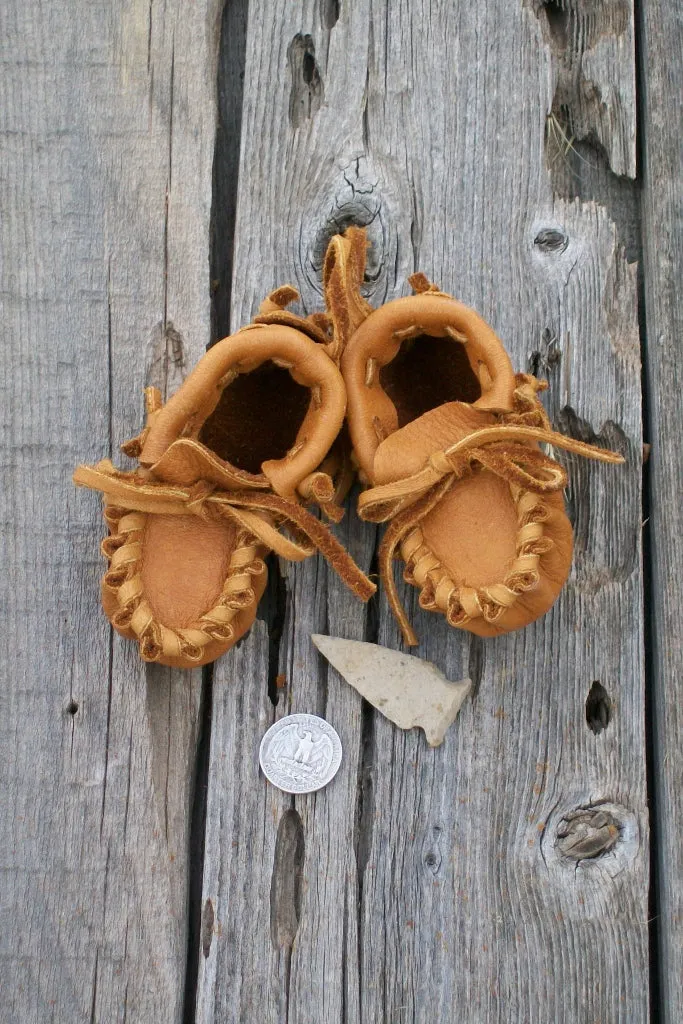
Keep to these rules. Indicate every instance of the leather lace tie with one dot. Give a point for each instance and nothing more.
(250, 510)
(343, 273)
(501, 449)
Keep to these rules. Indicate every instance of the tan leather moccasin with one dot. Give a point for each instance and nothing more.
(223, 466)
(447, 437)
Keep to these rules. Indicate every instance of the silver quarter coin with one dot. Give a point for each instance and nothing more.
(300, 753)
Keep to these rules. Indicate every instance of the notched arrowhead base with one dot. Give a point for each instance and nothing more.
(408, 691)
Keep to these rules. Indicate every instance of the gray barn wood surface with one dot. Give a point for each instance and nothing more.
(162, 167)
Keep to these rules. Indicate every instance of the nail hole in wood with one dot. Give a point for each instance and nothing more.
(431, 853)
(72, 708)
(598, 708)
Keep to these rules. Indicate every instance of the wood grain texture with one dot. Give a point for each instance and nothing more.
(480, 881)
(594, 71)
(662, 64)
(106, 145)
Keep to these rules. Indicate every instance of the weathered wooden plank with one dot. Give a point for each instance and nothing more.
(106, 126)
(662, 120)
(536, 929)
(593, 58)
(442, 885)
(280, 898)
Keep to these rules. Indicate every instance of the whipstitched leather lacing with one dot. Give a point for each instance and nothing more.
(506, 449)
(124, 550)
(258, 516)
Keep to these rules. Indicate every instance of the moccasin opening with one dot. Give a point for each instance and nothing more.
(258, 417)
(426, 373)
(267, 401)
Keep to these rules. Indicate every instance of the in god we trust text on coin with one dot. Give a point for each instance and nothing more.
(300, 753)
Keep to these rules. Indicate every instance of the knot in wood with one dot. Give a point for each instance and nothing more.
(353, 196)
(587, 833)
(551, 240)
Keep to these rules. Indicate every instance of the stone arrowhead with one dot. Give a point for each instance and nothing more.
(408, 691)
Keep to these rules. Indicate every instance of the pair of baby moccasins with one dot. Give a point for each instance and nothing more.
(441, 431)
